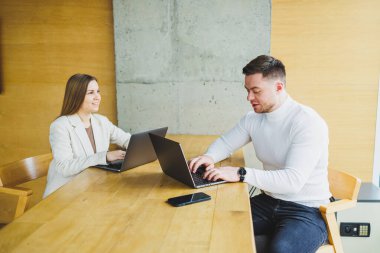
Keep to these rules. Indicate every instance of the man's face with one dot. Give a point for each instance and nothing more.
(263, 93)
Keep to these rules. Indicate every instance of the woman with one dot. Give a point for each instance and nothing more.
(79, 138)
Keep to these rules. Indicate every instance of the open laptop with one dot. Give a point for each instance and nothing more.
(173, 163)
(139, 151)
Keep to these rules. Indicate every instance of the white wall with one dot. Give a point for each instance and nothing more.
(376, 160)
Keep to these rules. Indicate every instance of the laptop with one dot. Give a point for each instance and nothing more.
(173, 163)
(139, 151)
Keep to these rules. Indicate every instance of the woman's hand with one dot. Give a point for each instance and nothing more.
(115, 155)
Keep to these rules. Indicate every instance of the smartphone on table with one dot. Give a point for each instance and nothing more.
(189, 199)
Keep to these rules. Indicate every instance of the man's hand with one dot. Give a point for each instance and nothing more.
(228, 174)
(115, 155)
(201, 160)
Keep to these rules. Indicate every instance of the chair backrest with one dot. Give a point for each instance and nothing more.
(343, 185)
(345, 188)
(25, 170)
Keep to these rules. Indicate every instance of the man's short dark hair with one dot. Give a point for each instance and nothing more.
(268, 66)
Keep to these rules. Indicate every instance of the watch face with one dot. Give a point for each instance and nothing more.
(242, 171)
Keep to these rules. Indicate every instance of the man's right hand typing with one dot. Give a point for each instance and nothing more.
(198, 161)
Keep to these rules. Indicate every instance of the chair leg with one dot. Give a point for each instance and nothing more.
(22, 205)
(333, 232)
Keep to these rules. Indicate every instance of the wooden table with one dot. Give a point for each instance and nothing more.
(102, 211)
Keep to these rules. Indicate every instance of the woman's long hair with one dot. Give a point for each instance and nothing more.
(76, 88)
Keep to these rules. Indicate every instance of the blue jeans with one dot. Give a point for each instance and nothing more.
(290, 227)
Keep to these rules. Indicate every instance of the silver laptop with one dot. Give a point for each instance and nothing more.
(173, 163)
(139, 151)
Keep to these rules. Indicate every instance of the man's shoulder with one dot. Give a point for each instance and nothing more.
(308, 112)
(307, 116)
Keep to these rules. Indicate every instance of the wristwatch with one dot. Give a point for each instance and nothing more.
(241, 173)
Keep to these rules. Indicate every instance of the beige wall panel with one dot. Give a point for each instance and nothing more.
(42, 43)
(331, 50)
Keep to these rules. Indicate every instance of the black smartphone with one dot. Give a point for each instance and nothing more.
(189, 199)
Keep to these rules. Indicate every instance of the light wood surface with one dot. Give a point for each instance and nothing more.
(43, 43)
(101, 211)
(331, 50)
(19, 172)
(18, 188)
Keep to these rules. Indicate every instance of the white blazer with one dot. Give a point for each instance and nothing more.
(72, 150)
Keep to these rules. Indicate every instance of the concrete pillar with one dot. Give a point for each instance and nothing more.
(178, 63)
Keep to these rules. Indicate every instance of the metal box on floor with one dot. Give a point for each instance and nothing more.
(353, 222)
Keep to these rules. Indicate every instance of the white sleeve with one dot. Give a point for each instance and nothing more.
(65, 163)
(118, 136)
(305, 151)
(228, 143)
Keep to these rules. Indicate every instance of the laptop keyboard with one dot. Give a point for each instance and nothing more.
(198, 177)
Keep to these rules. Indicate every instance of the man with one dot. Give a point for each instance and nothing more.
(291, 140)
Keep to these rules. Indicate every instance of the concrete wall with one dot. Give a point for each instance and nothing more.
(178, 63)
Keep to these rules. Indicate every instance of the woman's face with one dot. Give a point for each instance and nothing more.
(92, 99)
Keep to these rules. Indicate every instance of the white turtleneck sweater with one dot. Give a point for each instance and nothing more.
(292, 143)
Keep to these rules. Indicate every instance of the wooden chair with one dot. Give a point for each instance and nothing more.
(345, 188)
(14, 200)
